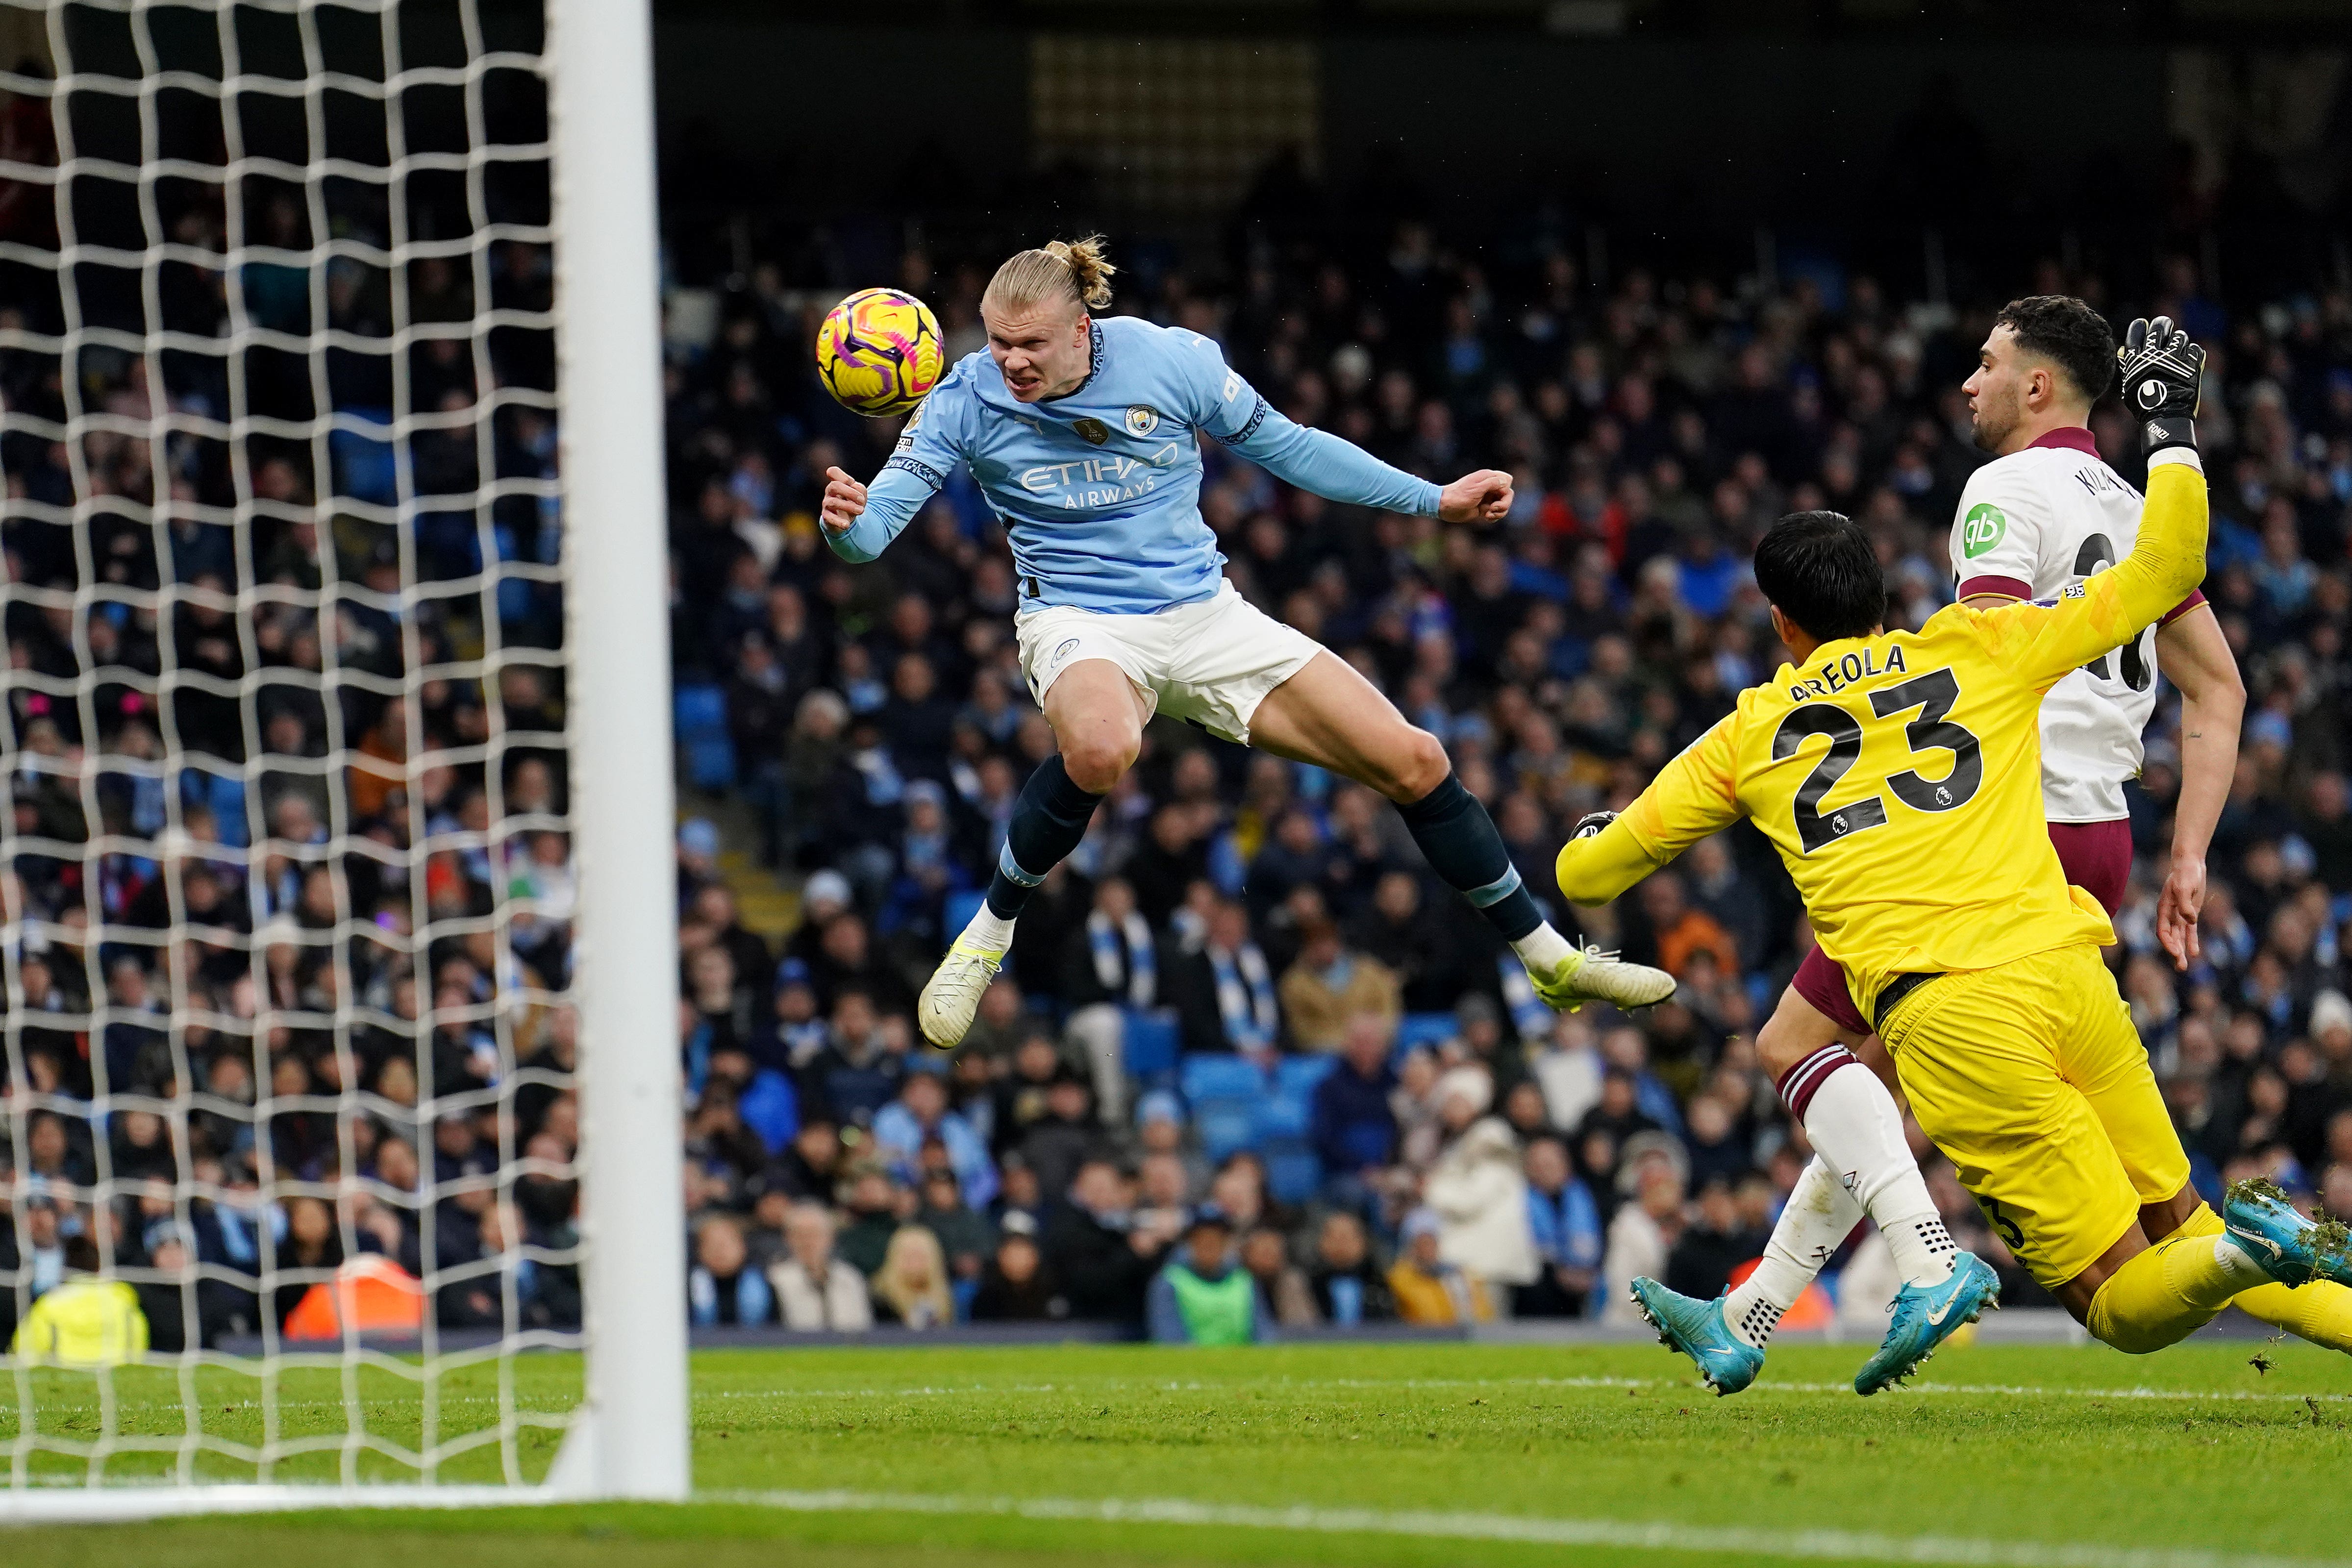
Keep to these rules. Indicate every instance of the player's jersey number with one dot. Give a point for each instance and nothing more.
(2097, 555)
(1933, 695)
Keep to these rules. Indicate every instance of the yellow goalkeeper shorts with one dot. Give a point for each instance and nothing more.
(2032, 1080)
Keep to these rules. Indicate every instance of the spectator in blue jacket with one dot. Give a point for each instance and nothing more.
(920, 1112)
(764, 1098)
(1352, 1126)
(1565, 1225)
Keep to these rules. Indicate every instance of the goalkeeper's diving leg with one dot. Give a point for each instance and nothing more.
(2030, 1076)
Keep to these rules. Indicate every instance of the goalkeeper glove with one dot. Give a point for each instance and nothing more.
(2161, 371)
(1592, 823)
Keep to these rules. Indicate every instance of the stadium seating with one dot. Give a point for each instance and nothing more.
(1292, 1174)
(1211, 1075)
(1225, 1127)
(699, 714)
(223, 797)
(961, 906)
(366, 465)
(1282, 1115)
(1147, 1041)
(1423, 1028)
(1299, 1075)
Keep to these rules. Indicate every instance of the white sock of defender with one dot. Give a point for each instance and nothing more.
(1857, 1130)
(1542, 949)
(989, 931)
(1821, 1214)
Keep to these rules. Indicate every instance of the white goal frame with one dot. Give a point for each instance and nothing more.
(628, 1437)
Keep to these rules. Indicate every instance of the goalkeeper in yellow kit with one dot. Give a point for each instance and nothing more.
(1899, 776)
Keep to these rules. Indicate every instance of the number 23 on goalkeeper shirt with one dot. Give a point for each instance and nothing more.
(1896, 775)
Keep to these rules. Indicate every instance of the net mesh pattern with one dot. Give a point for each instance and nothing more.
(288, 872)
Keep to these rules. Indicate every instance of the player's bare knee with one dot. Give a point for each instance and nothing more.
(1420, 765)
(1779, 1047)
(1095, 763)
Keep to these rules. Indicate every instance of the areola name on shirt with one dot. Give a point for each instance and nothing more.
(1846, 669)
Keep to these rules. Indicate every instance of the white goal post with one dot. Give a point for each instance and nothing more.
(610, 351)
(339, 858)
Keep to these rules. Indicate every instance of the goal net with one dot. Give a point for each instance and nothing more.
(330, 1159)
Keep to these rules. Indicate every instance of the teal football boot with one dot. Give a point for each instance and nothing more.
(2291, 1250)
(1924, 1317)
(1727, 1362)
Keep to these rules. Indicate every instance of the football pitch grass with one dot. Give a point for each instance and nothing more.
(1401, 1454)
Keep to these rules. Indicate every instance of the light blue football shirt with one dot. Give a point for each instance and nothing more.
(1099, 490)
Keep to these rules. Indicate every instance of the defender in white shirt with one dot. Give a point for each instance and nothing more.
(2031, 525)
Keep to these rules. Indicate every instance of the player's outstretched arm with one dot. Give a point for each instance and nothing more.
(1333, 468)
(1484, 496)
(1601, 861)
(2161, 369)
(2195, 656)
(1232, 412)
(1693, 795)
(860, 520)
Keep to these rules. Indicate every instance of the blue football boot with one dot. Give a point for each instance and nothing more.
(2291, 1250)
(1727, 1362)
(1924, 1317)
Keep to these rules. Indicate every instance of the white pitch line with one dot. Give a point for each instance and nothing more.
(1838, 1545)
(1147, 1385)
(2001, 1390)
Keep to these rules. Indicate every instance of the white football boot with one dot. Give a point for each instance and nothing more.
(951, 996)
(1589, 975)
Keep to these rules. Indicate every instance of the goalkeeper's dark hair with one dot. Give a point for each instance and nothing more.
(2068, 333)
(1819, 569)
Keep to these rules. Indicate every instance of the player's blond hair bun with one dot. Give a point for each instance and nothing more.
(1074, 269)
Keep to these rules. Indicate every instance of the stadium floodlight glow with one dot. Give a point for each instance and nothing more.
(330, 423)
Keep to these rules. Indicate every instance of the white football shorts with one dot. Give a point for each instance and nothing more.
(1211, 663)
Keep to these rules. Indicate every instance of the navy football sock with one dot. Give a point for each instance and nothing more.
(1461, 846)
(1048, 820)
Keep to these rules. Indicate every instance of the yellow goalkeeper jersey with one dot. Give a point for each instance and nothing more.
(1899, 775)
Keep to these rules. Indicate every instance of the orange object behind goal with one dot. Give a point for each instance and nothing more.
(372, 1294)
(1813, 1308)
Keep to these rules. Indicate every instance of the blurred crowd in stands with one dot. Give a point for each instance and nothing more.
(288, 880)
(1242, 1029)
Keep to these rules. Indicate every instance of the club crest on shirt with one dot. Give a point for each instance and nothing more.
(1094, 431)
(1142, 420)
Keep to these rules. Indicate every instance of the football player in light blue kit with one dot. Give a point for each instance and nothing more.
(1082, 432)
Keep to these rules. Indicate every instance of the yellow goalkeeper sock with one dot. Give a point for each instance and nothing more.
(2320, 1312)
(2172, 1290)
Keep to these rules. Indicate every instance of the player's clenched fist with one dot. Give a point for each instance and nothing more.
(2161, 370)
(845, 501)
(1481, 498)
